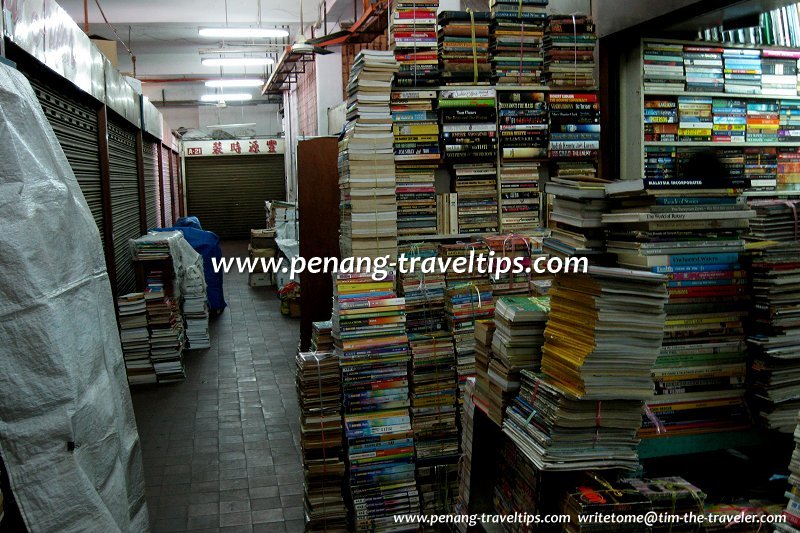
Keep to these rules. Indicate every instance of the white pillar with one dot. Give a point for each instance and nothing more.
(329, 87)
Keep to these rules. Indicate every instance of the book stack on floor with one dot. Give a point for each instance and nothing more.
(469, 131)
(416, 156)
(660, 119)
(569, 42)
(468, 298)
(412, 36)
(321, 339)
(262, 244)
(465, 463)
(779, 73)
(523, 144)
(484, 332)
(434, 397)
(195, 308)
(671, 496)
(516, 346)
(135, 338)
(517, 488)
(167, 339)
(602, 497)
(695, 121)
(464, 47)
(742, 70)
(603, 334)
(703, 66)
(663, 67)
(319, 394)
(423, 291)
(763, 121)
(366, 160)
(516, 43)
(787, 174)
(368, 327)
(774, 381)
(792, 511)
(691, 230)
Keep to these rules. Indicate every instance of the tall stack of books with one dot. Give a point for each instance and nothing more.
(416, 155)
(464, 47)
(371, 344)
(603, 334)
(167, 336)
(574, 127)
(366, 160)
(703, 66)
(660, 119)
(691, 230)
(468, 298)
(517, 488)
(423, 291)
(742, 70)
(775, 334)
(321, 339)
(787, 173)
(663, 67)
(484, 332)
(729, 120)
(763, 121)
(510, 250)
(194, 308)
(778, 73)
(434, 413)
(569, 42)
(789, 121)
(412, 37)
(792, 512)
(760, 168)
(465, 463)
(516, 43)
(695, 120)
(135, 338)
(319, 393)
(576, 227)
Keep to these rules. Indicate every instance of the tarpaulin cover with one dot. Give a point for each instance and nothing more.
(67, 431)
(207, 245)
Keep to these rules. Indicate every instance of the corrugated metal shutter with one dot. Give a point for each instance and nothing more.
(150, 159)
(166, 164)
(124, 200)
(227, 193)
(177, 180)
(75, 126)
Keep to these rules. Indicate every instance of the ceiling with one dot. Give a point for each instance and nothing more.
(163, 36)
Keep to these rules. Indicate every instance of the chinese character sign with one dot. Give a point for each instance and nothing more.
(217, 149)
(254, 149)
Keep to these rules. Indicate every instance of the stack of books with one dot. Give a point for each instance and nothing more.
(517, 487)
(464, 47)
(775, 335)
(416, 155)
(423, 291)
(523, 126)
(465, 462)
(516, 43)
(412, 37)
(663, 67)
(447, 213)
(671, 496)
(476, 190)
(602, 498)
(742, 70)
(438, 485)
(194, 307)
(574, 126)
(135, 338)
(321, 339)
(167, 335)
(371, 344)
(520, 197)
(733, 161)
(730, 120)
(468, 298)
(150, 247)
(792, 511)
(778, 73)
(760, 168)
(774, 221)
(691, 230)
(789, 121)
(318, 383)
(788, 168)
(660, 119)
(659, 162)
(569, 42)
(763, 121)
(695, 120)
(703, 66)
(510, 250)
(468, 125)
(366, 160)
(484, 332)
(575, 223)
(434, 413)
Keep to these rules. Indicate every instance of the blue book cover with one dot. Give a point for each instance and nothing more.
(695, 268)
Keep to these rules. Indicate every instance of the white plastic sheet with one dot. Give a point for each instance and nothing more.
(67, 431)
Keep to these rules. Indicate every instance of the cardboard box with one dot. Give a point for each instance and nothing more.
(294, 308)
(262, 238)
(261, 252)
(107, 47)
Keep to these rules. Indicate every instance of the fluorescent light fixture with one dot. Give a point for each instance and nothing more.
(244, 33)
(249, 82)
(232, 97)
(242, 125)
(237, 61)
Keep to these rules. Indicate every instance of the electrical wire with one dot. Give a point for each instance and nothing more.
(112, 27)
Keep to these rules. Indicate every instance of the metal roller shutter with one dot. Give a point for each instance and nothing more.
(178, 181)
(227, 193)
(124, 201)
(75, 126)
(166, 164)
(150, 159)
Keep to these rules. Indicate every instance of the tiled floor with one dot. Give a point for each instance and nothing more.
(221, 450)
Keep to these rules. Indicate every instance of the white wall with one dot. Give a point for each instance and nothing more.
(329, 86)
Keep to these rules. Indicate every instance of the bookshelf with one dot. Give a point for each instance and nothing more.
(633, 95)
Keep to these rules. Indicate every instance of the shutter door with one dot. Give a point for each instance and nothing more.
(178, 179)
(124, 200)
(227, 193)
(75, 126)
(166, 163)
(150, 159)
